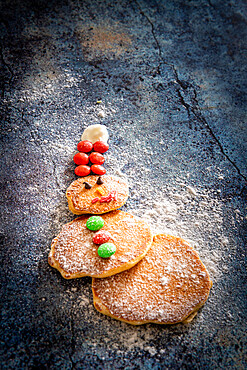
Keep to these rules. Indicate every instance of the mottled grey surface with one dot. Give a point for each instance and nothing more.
(172, 79)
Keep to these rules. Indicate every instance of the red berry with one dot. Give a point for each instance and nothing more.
(81, 158)
(85, 146)
(100, 146)
(101, 237)
(96, 158)
(82, 170)
(99, 170)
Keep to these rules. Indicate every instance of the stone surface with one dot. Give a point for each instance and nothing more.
(171, 76)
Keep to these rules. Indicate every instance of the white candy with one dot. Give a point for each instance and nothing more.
(94, 133)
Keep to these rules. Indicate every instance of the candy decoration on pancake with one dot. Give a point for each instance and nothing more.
(101, 191)
(106, 250)
(111, 196)
(87, 185)
(101, 237)
(95, 223)
(99, 181)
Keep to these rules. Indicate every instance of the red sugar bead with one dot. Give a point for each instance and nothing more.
(101, 237)
(98, 170)
(100, 146)
(81, 158)
(82, 170)
(85, 146)
(96, 158)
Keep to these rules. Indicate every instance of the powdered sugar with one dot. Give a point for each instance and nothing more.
(164, 280)
(74, 253)
(171, 209)
(180, 213)
(148, 292)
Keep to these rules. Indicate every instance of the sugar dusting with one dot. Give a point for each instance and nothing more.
(190, 217)
(180, 208)
(199, 220)
(74, 251)
(166, 286)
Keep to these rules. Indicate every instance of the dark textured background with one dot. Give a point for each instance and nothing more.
(172, 79)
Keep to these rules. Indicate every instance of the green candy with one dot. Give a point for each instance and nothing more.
(95, 223)
(106, 250)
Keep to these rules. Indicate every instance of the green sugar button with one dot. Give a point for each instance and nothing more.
(95, 223)
(106, 250)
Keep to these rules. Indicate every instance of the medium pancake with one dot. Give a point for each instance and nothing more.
(167, 286)
(80, 198)
(74, 254)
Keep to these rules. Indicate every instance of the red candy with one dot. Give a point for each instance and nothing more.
(82, 170)
(81, 158)
(100, 146)
(96, 158)
(97, 169)
(108, 198)
(94, 200)
(111, 196)
(101, 237)
(85, 146)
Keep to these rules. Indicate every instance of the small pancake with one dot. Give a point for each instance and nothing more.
(75, 255)
(80, 198)
(167, 286)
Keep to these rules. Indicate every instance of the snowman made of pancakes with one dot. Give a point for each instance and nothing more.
(137, 277)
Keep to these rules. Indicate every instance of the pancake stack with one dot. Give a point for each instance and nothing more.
(149, 279)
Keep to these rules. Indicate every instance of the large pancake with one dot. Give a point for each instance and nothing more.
(80, 198)
(167, 286)
(74, 254)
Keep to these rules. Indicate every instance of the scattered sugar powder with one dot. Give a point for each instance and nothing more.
(181, 209)
(193, 219)
(196, 216)
(151, 350)
(164, 280)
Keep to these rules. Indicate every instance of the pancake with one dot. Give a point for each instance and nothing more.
(80, 198)
(74, 254)
(167, 286)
